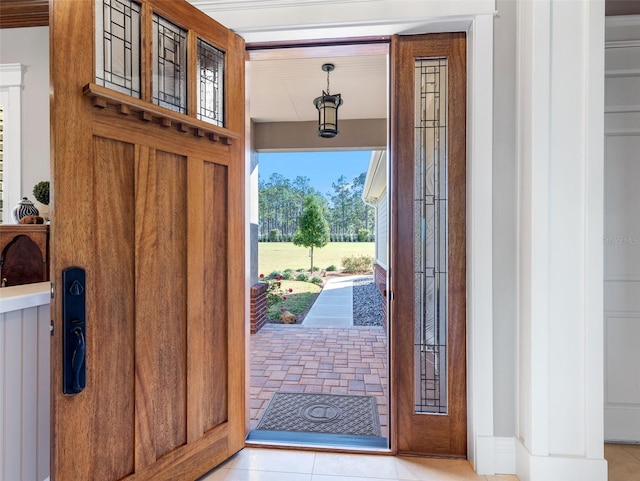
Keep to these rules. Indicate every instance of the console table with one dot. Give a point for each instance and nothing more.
(24, 254)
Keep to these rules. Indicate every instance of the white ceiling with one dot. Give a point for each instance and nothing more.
(282, 90)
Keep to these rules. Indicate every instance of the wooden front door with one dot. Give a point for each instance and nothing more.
(147, 120)
(428, 308)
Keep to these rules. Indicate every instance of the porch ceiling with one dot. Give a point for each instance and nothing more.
(282, 90)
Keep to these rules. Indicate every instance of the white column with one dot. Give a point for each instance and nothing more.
(479, 245)
(560, 207)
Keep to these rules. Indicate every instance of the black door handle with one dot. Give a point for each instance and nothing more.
(74, 345)
(77, 359)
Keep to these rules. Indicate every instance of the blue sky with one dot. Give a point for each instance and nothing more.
(322, 168)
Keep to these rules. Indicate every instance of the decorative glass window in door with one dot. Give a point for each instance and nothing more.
(211, 83)
(430, 241)
(169, 65)
(118, 45)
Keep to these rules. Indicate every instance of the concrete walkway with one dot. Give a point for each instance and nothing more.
(334, 305)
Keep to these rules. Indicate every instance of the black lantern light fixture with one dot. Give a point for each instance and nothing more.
(327, 106)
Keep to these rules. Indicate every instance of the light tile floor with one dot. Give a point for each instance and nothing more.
(623, 461)
(297, 359)
(253, 464)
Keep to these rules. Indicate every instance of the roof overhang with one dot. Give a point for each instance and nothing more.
(375, 183)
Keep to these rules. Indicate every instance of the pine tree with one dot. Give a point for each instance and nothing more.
(313, 228)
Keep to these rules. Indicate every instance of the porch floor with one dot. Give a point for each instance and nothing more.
(296, 359)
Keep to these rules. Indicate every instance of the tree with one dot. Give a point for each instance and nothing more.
(313, 228)
(341, 205)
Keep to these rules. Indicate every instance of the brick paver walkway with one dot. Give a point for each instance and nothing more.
(319, 360)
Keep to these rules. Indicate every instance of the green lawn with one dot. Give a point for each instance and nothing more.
(278, 256)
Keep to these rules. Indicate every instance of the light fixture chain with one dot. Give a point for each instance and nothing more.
(328, 72)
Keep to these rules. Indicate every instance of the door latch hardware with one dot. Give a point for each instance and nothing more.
(74, 346)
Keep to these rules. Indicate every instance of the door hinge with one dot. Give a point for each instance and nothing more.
(53, 290)
(51, 327)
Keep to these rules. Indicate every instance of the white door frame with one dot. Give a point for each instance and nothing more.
(480, 438)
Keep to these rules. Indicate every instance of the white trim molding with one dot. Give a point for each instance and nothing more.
(476, 18)
(480, 243)
(11, 84)
(557, 468)
(498, 454)
(560, 156)
(291, 20)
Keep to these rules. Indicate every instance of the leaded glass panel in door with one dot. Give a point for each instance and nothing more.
(169, 65)
(211, 83)
(118, 45)
(430, 237)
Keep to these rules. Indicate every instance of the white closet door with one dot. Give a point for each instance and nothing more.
(622, 241)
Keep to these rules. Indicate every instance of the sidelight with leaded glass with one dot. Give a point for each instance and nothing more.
(430, 237)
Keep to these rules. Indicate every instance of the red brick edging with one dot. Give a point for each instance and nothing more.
(380, 278)
(258, 311)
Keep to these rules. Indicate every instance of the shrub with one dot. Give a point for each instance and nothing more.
(316, 280)
(275, 291)
(286, 275)
(331, 268)
(274, 274)
(274, 235)
(302, 277)
(363, 235)
(316, 268)
(360, 263)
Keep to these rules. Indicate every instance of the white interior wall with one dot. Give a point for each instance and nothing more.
(504, 217)
(30, 47)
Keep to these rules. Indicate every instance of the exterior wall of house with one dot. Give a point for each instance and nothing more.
(381, 229)
(30, 47)
(354, 133)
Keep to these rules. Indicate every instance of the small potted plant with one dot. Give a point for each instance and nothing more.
(41, 193)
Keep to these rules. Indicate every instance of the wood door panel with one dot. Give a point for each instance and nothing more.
(108, 123)
(161, 324)
(108, 400)
(215, 331)
(437, 434)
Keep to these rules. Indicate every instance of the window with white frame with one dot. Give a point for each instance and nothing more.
(10, 101)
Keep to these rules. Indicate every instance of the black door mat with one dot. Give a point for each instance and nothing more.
(321, 413)
(290, 438)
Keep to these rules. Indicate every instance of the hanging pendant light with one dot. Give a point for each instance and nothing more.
(327, 106)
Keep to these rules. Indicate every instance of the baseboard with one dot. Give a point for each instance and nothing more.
(505, 455)
(495, 455)
(557, 468)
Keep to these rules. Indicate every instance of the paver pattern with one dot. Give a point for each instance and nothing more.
(319, 360)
